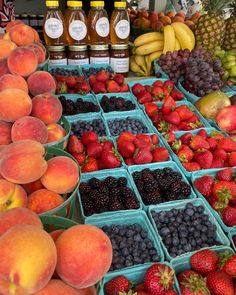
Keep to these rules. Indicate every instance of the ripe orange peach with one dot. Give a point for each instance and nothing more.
(21, 34)
(33, 186)
(58, 287)
(16, 216)
(13, 81)
(3, 67)
(36, 35)
(177, 19)
(6, 47)
(56, 234)
(12, 24)
(166, 20)
(6, 37)
(55, 132)
(41, 82)
(41, 54)
(5, 133)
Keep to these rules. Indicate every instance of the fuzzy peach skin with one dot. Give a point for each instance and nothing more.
(28, 259)
(58, 287)
(20, 215)
(84, 255)
(33, 186)
(5, 133)
(55, 132)
(56, 234)
(6, 47)
(3, 67)
(12, 24)
(21, 34)
(39, 51)
(11, 195)
(61, 176)
(46, 84)
(13, 81)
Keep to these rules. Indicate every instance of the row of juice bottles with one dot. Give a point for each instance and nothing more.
(74, 28)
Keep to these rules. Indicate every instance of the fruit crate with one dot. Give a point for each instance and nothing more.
(211, 172)
(64, 67)
(84, 68)
(154, 166)
(101, 175)
(220, 236)
(230, 235)
(61, 143)
(183, 263)
(52, 223)
(158, 70)
(135, 275)
(67, 208)
(126, 95)
(128, 218)
(138, 115)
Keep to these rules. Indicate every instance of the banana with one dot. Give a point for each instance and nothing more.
(135, 68)
(149, 48)
(140, 61)
(184, 35)
(177, 44)
(169, 39)
(147, 38)
(155, 55)
(148, 64)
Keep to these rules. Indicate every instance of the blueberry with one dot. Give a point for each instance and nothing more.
(142, 246)
(165, 231)
(155, 258)
(187, 248)
(125, 251)
(183, 241)
(175, 241)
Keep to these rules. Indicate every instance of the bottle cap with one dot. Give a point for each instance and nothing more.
(97, 3)
(56, 48)
(74, 3)
(99, 47)
(52, 3)
(119, 46)
(120, 4)
(78, 47)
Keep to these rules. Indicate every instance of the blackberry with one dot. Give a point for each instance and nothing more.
(147, 173)
(185, 189)
(115, 193)
(110, 182)
(115, 206)
(88, 205)
(122, 181)
(84, 188)
(131, 203)
(152, 198)
(102, 200)
(94, 182)
(137, 176)
(172, 197)
(127, 193)
(176, 176)
(168, 171)
(176, 189)
(141, 186)
(159, 175)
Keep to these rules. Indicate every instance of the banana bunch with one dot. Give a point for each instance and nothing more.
(149, 47)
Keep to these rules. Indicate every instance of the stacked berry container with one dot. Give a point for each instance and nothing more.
(232, 238)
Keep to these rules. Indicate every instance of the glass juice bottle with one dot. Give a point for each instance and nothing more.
(98, 23)
(76, 23)
(54, 29)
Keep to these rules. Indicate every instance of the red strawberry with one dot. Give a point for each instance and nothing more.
(168, 106)
(204, 261)
(155, 139)
(102, 76)
(129, 161)
(119, 78)
(220, 283)
(75, 145)
(173, 128)
(110, 159)
(126, 149)
(160, 154)
(172, 118)
(204, 185)
(60, 78)
(84, 88)
(226, 174)
(176, 146)
(92, 80)
(217, 135)
(191, 166)
(220, 154)
(212, 143)
(126, 136)
(142, 156)
(203, 133)
(158, 279)
(194, 120)
(170, 137)
(142, 292)
(186, 138)
(139, 143)
(198, 142)
(94, 149)
(185, 154)
(138, 88)
(169, 85)
(148, 88)
(124, 88)
(116, 285)
(177, 95)
(185, 126)
(229, 216)
(193, 284)
(112, 86)
(204, 159)
(89, 136)
(164, 126)
(151, 108)
(158, 83)
(144, 96)
(227, 144)
(184, 112)
(80, 158)
(224, 189)
(140, 287)
(185, 275)
(61, 87)
(230, 266)
(146, 138)
(107, 145)
(156, 119)
(99, 87)
(71, 81)
(170, 292)
(157, 93)
(232, 159)
(90, 165)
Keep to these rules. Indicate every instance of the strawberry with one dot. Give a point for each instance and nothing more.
(174, 128)
(124, 88)
(140, 287)
(157, 93)
(89, 136)
(186, 138)
(224, 190)
(151, 108)
(126, 149)
(217, 135)
(185, 154)
(148, 88)
(230, 266)
(170, 292)
(92, 80)
(94, 149)
(99, 87)
(227, 144)
(142, 156)
(90, 165)
(60, 78)
(198, 142)
(116, 285)
(119, 78)
(232, 159)
(106, 145)
(158, 279)
(185, 126)
(177, 95)
(220, 283)
(156, 119)
(147, 138)
(138, 88)
(129, 161)
(160, 154)
(139, 143)
(204, 159)
(110, 159)
(172, 118)
(191, 166)
(61, 88)
(170, 137)
(155, 139)
(204, 185)
(144, 96)
(184, 112)
(184, 276)
(126, 136)
(212, 143)
(220, 154)
(71, 81)
(204, 261)
(194, 120)
(217, 163)
(176, 145)
(229, 216)
(226, 174)
(75, 145)
(141, 292)
(158, 83)
(112, 86)
(193, 284)
(84, 88)
(168, 105)
(164, 126)
(169, 85)
(194, 289)
(80, 158)
(203, 133)
(102, 76)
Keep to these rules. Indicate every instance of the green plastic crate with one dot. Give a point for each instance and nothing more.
(230, 235)
(154, 166)
(52, 223)
(220, 236)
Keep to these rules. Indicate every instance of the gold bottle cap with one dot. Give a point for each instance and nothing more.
(56, 48)
(52, 3)
(99, 47)
(78, 47)
(120, 4)
(97, 3)
(74, 3)
(119, 46)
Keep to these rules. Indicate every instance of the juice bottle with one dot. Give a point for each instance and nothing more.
(54, 29)
(98, 23)
(76, 23)
(120, 24)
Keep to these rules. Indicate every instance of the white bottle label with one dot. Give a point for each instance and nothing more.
(102, 27)
(78, 62)
(53, 28)
(77, 30)
(120, 65)
(58, 62)
(99, 60)
(122, 29)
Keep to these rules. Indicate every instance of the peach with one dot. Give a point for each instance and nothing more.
(41, 82)
(33, 186)
(41, 54)
(58, 287)
(36, 35)
(16, 216)
(12, 24)
(6, 47)
(55, 132)
(13, 81)
(41, 45)
(84, 255)
(22, 61)
(177, 19)
(6, 36)
(11, 195)
(56, 234)
(61, 176)
(5, 133)
(3, 67)
(47, 107)
(14, 104)
(21, 34)
(29, 128)
(28, 259)
(23, 162)
(43, 200)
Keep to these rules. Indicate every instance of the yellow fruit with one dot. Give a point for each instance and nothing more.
(140, 60)
(149, 48)
(135, 68)
(177, 44)
(155, 55)
(169, 39)
(147, 38)
(184, 35)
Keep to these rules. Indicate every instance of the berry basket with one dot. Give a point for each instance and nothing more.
(52, 223)
(97, 67)
(66, 209)
(61, 143)
(211, 172)
(231, 234)
(101, 175)
(129, 218)
(158, 70)
(220, 236)
(154, 166)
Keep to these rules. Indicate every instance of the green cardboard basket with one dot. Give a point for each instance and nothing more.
(231, 234)
(52, 223)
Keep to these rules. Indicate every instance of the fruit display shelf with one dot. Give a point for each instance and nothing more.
(211, 172)
(231, 234)
(102, 175)
(152, 167)
(132, 218)
(180, 205)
